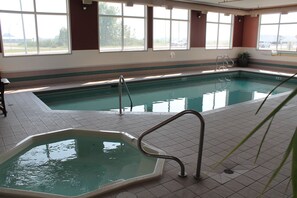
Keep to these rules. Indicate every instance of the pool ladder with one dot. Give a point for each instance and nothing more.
(182, 173)
(121, 83)
(223, 62)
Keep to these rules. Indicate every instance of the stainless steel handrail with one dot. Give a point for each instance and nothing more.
(225, 62)
(123, 82)
(227, 59)
(182, 167)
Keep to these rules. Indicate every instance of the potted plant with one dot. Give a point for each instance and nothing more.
(243, 59)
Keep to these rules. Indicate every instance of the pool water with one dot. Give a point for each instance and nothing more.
(200, 93)
(74, 165)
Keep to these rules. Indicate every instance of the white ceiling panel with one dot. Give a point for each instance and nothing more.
(245, 4)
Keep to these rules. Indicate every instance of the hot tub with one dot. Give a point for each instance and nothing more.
(75, 163)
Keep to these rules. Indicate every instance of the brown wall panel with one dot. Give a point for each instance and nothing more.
(250, 31)
(84, 25)
(238, 31)
(198, 29)
(149, 27)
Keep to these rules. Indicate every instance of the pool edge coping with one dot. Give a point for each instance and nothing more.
(118, 184)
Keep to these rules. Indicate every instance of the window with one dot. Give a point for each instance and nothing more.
(219, 31)
(122, 27)
(278, 32)
(31, 27)
(171, 29)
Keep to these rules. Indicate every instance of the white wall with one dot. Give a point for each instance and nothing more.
(87, 58)
(266, 55)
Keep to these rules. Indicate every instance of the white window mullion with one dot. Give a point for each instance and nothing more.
(23, 27)
(278, 28)
(36, 28)
(170, 32)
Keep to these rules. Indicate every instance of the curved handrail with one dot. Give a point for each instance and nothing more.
(227, 58)
(122, 81)
(225, 62)
(199, 160)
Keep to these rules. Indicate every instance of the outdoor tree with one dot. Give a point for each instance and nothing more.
(109, 27)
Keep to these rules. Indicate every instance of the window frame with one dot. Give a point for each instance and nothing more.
(35, 14)
(122, 16)
(279, 23)
(218, 31)
(170, 19)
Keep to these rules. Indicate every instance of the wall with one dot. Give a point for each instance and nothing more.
(263, 59)
(85, 57)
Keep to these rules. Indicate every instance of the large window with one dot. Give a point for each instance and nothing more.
(171, 29)
(278, 32)
(219, 31)
(122, 27)
(31, 27)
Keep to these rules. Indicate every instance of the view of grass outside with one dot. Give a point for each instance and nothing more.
(121, 28)
(26, 31)
(219, 31)
(278, 32)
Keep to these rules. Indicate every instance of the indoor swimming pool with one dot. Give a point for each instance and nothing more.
(201, 93)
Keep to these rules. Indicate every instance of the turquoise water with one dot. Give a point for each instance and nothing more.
(74, 165)
(200, 93)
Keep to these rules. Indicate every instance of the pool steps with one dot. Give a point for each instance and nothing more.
(223, 62)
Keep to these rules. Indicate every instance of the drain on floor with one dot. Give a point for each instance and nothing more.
(226, 173)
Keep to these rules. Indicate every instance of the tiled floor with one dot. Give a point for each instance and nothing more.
(224, 129)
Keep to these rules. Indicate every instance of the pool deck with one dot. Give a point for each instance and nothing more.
(224, 129)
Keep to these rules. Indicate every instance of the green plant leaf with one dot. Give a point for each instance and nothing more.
(264, 136)
(294, 164)
(285, 157)
(273, 91)
(275, 111)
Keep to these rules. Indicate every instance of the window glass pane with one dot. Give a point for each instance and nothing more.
(211, 35)
(160, 12)
(30, 33)
(225, 19)
(269, 18)
(53, 38)
(287, 39)
(110, 8)
(136, 10)
(161, 34)
(212, 17)
(27, 5)
(110, 32)
(289, 18)
(224, 36)
(54, 6)
(179, 35)
(133, 34)
(180, 14)
(13, 5)
(268, 37)
(12, 34)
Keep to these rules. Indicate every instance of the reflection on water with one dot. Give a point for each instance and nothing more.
(73, 166)
(172, 95)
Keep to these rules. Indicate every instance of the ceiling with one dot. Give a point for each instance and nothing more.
(245, 4)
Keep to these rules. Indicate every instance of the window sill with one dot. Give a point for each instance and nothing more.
(283, 53)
